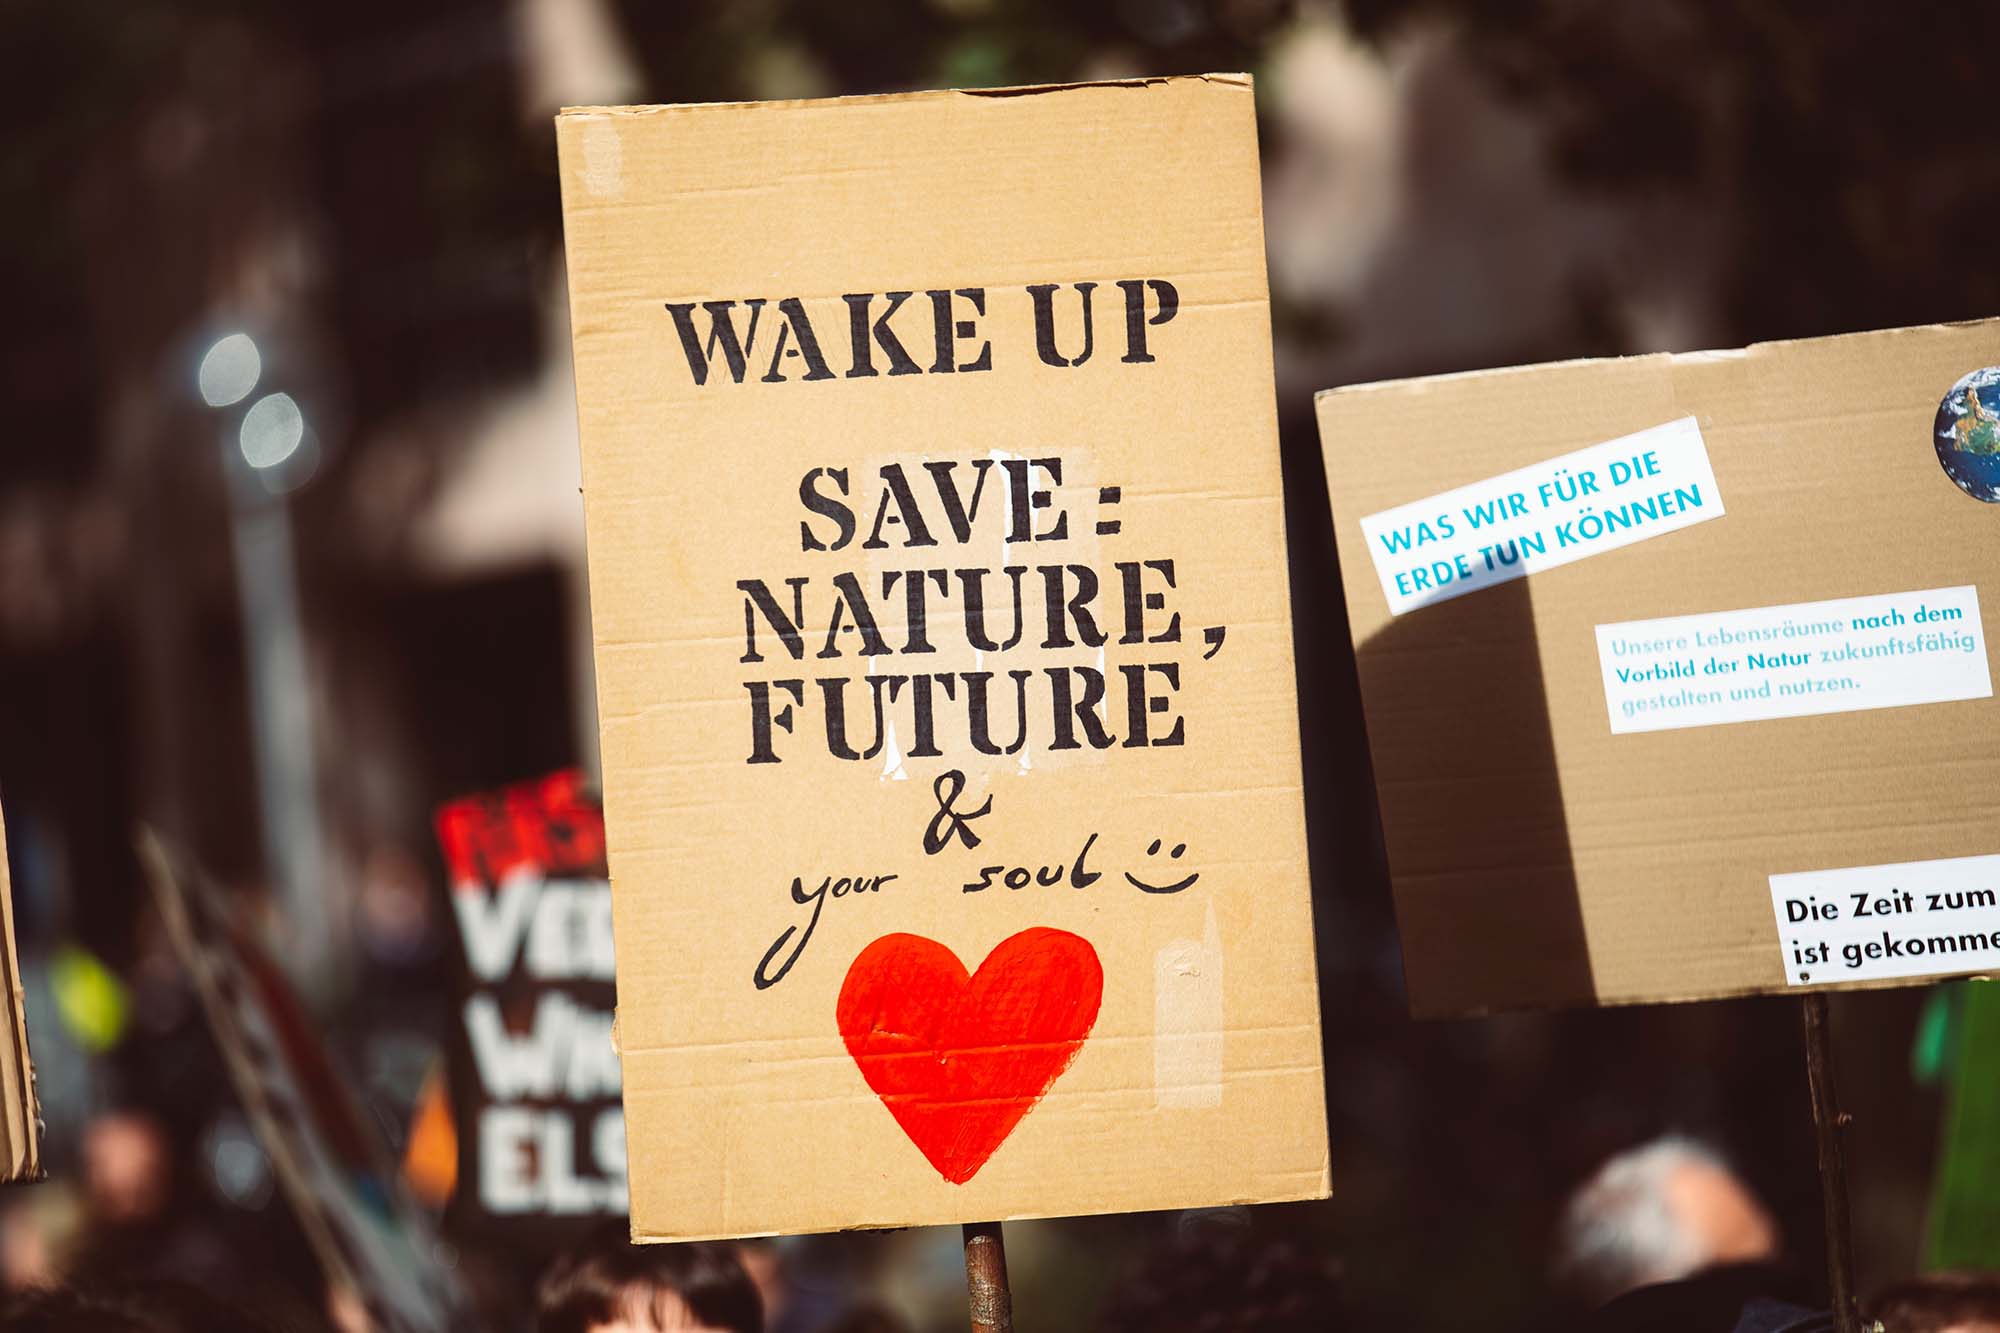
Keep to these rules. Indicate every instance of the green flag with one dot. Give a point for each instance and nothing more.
(1965, 1206)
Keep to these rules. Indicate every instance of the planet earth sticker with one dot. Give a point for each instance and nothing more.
(1968, 434)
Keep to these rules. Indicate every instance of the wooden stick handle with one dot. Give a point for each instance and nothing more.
(992, 1304)
(1828, 1123)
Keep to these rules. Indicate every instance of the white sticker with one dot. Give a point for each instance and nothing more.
(1912, 919)
(1840, 656)
(1535, 518)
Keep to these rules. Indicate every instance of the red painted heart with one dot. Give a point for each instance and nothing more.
(959, 1059)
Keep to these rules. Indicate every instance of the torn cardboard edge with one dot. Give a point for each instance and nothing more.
(1670, 360)
(1235, 80)
(1323, 1189)
(21, 1113)
(1443, 1013)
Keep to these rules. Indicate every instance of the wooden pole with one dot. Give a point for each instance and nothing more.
(991, 1302)
(1829, 1121)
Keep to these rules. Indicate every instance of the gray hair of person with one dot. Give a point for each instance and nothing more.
(1619, 1229)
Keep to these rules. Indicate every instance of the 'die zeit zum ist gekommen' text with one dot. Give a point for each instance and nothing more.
(818, 633)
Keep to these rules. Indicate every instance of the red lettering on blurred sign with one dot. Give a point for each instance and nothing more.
(551, 825)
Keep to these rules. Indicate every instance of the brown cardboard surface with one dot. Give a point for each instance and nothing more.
(1539, 859)
(20, 1113)
(748, 1108)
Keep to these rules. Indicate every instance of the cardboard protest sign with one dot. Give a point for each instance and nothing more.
(534, 1076)
(20, 1113)
(326, 1156)
(944, 662)
(1675, 667)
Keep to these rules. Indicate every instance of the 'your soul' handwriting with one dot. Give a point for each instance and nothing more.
(1171, 877)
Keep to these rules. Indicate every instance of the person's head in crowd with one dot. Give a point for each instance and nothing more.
(127, 1175)
(610, 1285)
(1657, 1213)
(1227, 1279)
(761, 1260)
(151, 1307)
(1941, 1303)
(38, 1231)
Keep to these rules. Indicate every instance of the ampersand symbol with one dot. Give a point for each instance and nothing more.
(948, 823)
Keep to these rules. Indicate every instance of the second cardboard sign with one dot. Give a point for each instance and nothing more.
(1675, 667)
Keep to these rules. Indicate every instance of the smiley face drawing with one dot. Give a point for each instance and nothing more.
(1174, 887)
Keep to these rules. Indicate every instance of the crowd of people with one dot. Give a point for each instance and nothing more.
(1665, 1236)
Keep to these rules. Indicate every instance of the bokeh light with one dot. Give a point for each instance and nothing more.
(272, 429)
(229, 370)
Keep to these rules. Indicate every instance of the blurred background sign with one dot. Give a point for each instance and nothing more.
(534, 1076)
(374, 1246)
